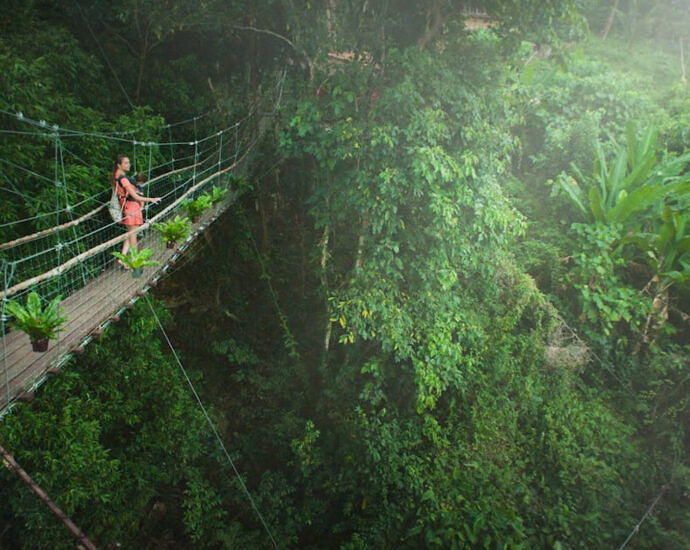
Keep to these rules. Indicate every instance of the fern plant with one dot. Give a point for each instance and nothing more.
(174, 230)
(217, 195)
(136, 261)
(195, 207)
(40, 324)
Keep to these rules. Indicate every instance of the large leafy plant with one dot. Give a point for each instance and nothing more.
(174, 230)
(37, 322)
(632, 182)
(217, 195)
(137, 260)
(667, 253)
(195, 207)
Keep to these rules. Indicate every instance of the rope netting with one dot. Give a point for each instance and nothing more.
(62, 222)
(56, 233)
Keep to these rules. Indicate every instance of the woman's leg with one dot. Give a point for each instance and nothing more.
(132, 238)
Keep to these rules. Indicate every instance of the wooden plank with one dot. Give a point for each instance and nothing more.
(85, 310)
(91, 306)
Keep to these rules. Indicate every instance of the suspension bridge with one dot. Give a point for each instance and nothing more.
(67, 251)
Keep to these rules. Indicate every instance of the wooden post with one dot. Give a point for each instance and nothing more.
(11, 464)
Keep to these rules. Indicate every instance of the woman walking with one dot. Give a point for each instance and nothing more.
(131, 201)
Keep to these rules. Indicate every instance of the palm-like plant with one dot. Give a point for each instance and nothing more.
(136, 261)
(632, 182)
(176, 229)
(667, 253)
(217, 195)
(40, 324)
(195, 207)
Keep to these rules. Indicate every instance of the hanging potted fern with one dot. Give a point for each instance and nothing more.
(195, 207)
(137, 261)
(174, 230)
(217, 195)
(40, 324)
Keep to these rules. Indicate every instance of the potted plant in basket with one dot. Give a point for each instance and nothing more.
(195, 207)
(40, 324)
(137, 261)
(176, 229)
(217, 195)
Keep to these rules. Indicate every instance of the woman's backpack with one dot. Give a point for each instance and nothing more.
(114, 207)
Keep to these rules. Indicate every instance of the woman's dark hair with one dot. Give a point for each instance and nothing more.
(118, 161)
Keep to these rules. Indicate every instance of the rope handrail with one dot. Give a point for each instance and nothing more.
(34, 236)
(102, 227)
(63, 132)
(43, 233)
(103, 246)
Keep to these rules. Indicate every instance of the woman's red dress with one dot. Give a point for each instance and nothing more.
(132, 209)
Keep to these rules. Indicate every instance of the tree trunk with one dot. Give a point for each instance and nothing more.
(330, 19)
(682, 61)
(265, 240)
(140, 77)
(609, 21)
(433, 24)
(658, 316)
(360, 242)
(324, 285)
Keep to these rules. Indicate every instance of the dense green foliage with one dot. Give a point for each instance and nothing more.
(450, 309)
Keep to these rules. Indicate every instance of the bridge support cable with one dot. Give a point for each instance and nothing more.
(148, 176)
(12, 465)
(91, 308)
(212, 425)
(220, 154)
(172, 151)
(636, 529)
(73, 258)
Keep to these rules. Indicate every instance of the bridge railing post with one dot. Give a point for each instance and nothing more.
(7, 273)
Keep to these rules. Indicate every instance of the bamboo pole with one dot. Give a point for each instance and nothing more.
(11, 464)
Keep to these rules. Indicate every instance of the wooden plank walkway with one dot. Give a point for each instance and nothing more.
(22, 370)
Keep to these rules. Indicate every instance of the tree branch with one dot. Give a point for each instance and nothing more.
(609, 21)
(310, 63)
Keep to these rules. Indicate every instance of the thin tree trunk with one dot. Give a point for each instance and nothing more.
(11, 464)
(330, 19)
(264, 224)
(682, 61)
(433, 24)
(140, 77)
(657, 317)
(609, 21)
(360, 243)
(324, 284)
